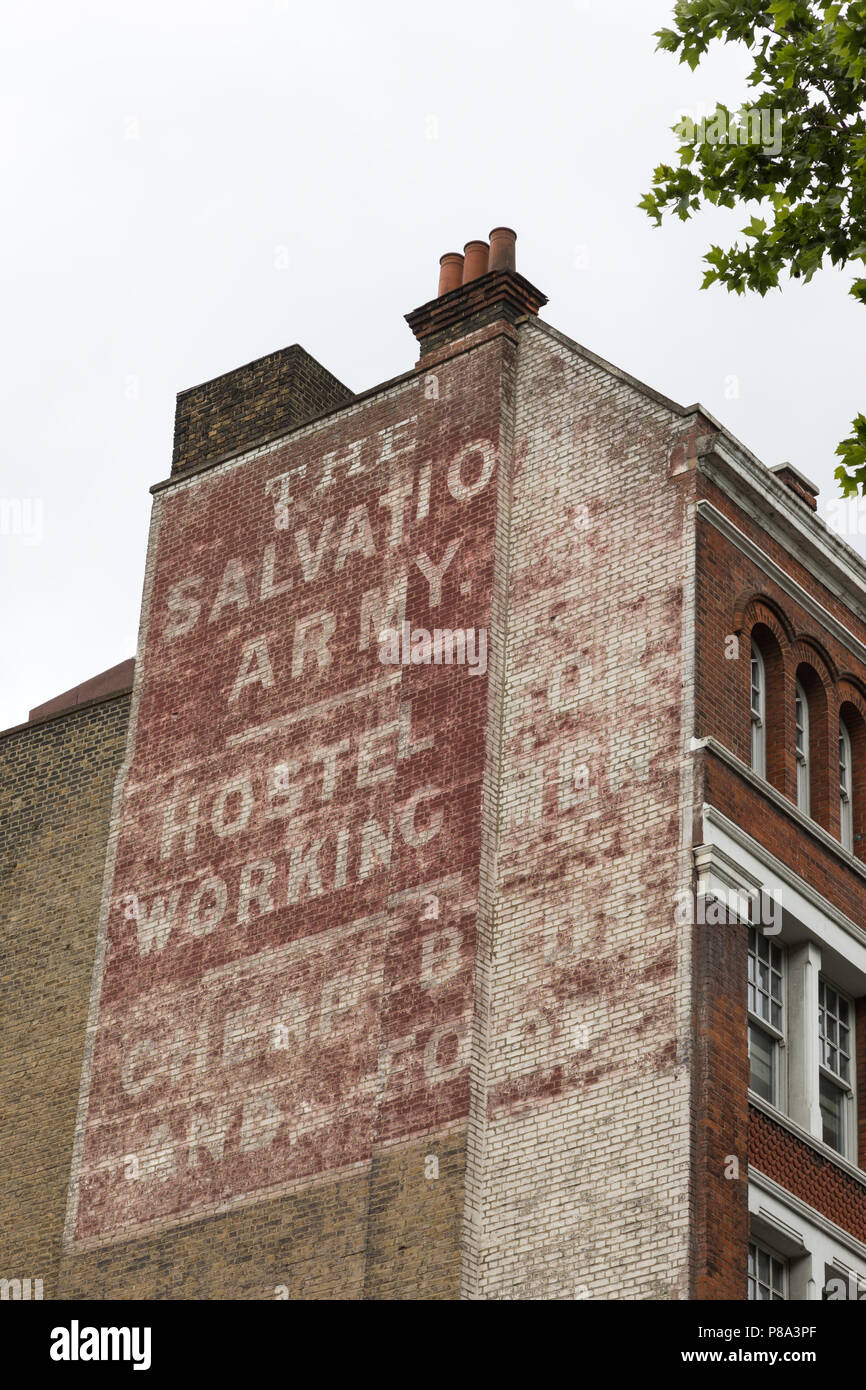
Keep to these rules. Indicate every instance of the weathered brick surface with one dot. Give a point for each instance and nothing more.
(586, 1156)
(353, 1238)
(284, 996)
(56, 783)
(252, 404)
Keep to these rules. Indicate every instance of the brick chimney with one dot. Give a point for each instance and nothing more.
(799, 485)
(251, 405)
(476, 289)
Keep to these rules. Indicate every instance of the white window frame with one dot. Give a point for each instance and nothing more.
(791, 1230)
(763, 950)
(801, 721)
(846, 804)
(758, 710)
(731, 860)
(836, 1076)
(781, 1266)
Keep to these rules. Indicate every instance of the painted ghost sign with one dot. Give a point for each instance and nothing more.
(286, 955)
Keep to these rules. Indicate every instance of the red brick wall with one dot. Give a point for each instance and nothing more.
(772, 828)
(720, 1080)
(735, 598)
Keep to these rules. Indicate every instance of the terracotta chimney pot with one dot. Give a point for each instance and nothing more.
(475, 260)
(450, 273)
(502, 249)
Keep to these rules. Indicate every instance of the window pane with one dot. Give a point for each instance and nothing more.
(756, 686)
(845, 808)
(762, 1064)
(757, 703)
(833, 1031)
(766, 1275)
(802, 723)
(832, 1115)
(765, 979)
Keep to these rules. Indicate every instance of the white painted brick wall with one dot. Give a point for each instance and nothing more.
(584, 1163)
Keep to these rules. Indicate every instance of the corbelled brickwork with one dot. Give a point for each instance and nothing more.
(499, 297)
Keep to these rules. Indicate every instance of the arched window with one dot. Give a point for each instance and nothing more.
(802, 724)
(768, 704)
(846, 806)
(759, 712)
(852, 777)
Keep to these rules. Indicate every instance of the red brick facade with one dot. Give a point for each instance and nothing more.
(739, 598)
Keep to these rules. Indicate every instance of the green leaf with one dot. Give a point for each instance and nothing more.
(756, 227)
(804, 192)
(668, 39)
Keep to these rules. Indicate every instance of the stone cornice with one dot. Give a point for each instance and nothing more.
(789, 520)
(712, 745)
(772, 570)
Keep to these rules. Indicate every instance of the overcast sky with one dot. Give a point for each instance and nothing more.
(188, 185)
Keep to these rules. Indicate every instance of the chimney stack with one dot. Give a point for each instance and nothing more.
(798, 483)
(477, 289)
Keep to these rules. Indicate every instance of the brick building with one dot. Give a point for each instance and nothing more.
(464, 896)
